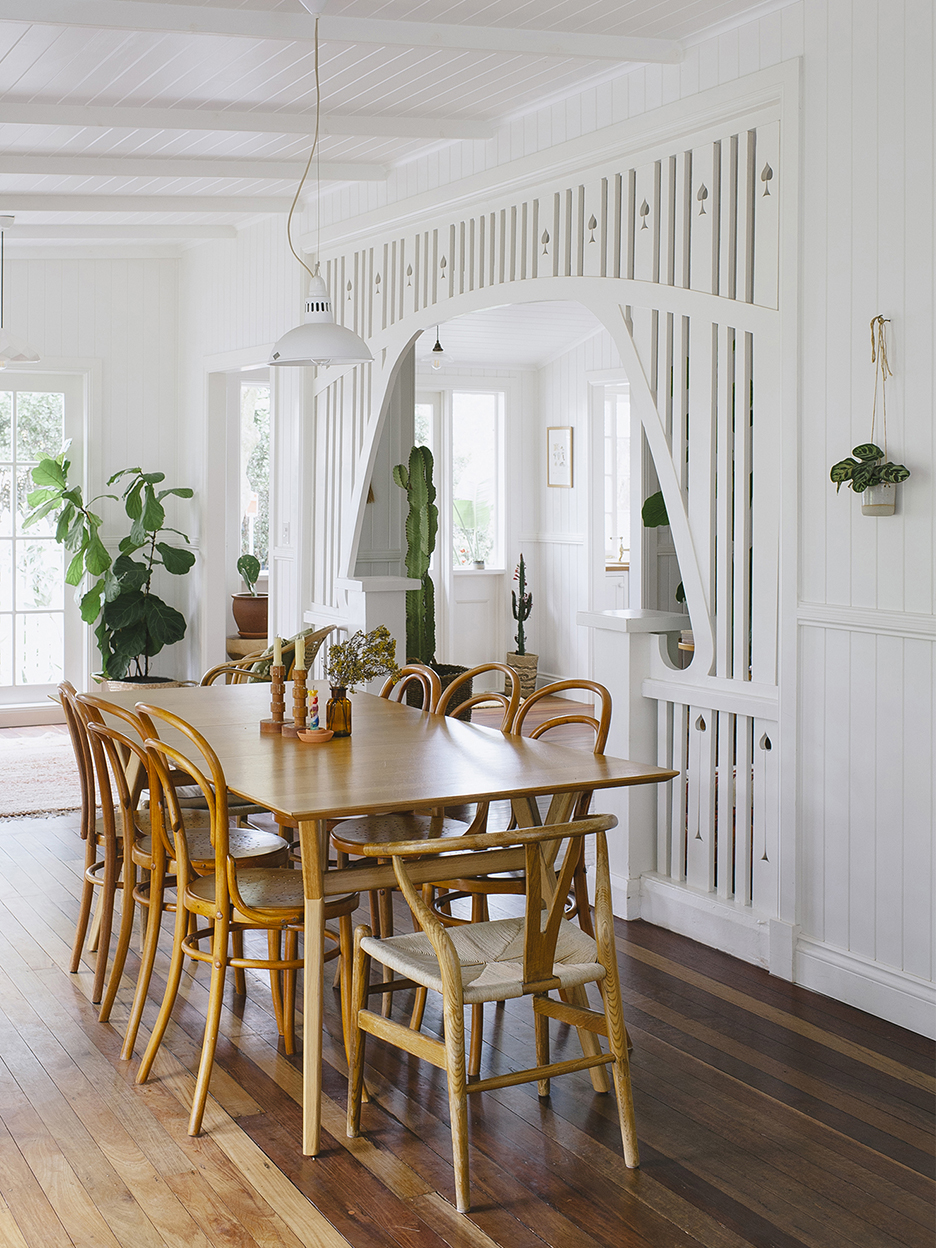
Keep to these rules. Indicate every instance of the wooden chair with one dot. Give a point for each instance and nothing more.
(350, 834)
(148, 849)
(222, 906)
(499, 961)
(256, 666)
(395, 687)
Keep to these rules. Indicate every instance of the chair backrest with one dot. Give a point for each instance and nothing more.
(262, 663)
(508, 701)
(600, 723)
(546, 890)
(239, 672)
(82, 748)
(425, 678)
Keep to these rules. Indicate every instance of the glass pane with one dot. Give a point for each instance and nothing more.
(474, 476)
(40, 575)
(617, 477)
(24, 487)
(40, 424)
(6, 649)
(6, 576)
(39, 649)
(6, 424)
(6, 502)
(423, 434)
(255, 472)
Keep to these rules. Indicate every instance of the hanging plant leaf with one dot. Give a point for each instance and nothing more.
(893, 474)
(842, 471)
(867, 450)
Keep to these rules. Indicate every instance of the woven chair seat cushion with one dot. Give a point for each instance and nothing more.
(190, 797)
(491, 957)
(385, 829)
(244, 845)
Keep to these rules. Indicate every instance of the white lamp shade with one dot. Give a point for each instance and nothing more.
(15, 351)
(319, 340)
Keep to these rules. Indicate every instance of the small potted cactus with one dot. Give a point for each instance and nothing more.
(521, 659)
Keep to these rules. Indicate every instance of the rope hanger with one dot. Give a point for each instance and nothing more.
(881, 372)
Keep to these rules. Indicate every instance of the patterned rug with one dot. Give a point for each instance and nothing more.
(38, 776)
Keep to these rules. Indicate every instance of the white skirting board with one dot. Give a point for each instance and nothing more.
(886, 992)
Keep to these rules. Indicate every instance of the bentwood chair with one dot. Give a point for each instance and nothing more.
(501, 960)
(148, 857)
(350, 834)
(221, 907)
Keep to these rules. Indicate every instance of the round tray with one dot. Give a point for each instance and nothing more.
(315, 736)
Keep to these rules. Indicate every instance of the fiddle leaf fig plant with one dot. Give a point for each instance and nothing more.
(133, 623)
(864, 468)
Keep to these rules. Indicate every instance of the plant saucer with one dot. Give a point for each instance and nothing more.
(315, 736)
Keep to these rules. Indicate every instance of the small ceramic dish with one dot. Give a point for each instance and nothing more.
(315, 736)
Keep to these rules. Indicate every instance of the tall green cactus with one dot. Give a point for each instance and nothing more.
(422, 524)
(522, 604)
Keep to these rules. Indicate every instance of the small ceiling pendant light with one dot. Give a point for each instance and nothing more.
(12, 350)
(437, 354)
(318, 340)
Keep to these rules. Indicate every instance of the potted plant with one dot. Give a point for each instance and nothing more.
(250, 609)
(869, 474)
(520, 660)
(422, 524)
(133, 623)
(354, 662)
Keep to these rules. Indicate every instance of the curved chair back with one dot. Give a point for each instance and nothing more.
(510, 702)
(600, 723)
(425, 678)
(79, 738)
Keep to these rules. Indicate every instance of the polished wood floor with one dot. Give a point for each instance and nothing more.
(767, 1115)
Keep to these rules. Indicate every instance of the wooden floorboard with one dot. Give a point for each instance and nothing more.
(767, 1115)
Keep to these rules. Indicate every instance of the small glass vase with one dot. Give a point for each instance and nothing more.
(338, 712)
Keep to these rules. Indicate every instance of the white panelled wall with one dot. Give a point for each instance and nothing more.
(857, 674)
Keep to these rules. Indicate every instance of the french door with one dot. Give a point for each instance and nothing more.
(40, 630)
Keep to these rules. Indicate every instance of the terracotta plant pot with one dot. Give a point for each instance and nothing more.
(250, 614)
(525, 667)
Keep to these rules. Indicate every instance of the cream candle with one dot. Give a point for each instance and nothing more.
(277, 652)
(300, 653)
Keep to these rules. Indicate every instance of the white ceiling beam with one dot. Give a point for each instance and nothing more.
(27, 202)
(260, 24)
(191, 167)
(101, 118)
(117, 233)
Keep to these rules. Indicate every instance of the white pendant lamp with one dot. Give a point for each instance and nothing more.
(13, 350)
(318, 340)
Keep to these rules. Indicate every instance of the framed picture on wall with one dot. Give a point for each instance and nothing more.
(559, 456)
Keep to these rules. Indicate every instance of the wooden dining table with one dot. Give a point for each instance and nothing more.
(397, 758)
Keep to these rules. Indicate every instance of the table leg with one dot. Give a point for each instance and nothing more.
(312, 840)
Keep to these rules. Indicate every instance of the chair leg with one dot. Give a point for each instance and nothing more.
(84, 913)
(290, 951)
(360, 979)
(274, 949)
(219, 965)
(94, 933)
(620, 1069)
(345, 945)
(127, 912)
(154, 913)
(580, 892)
(237, 950)
(106, 908)
(588, 1040)
(454, 1022)
(173, 979)
(541, 1030)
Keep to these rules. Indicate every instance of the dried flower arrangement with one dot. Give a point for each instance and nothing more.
(361, 658)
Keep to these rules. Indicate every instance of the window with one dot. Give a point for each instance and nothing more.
(35, 413)
(255, 471)
(616, 475)
(476, 470)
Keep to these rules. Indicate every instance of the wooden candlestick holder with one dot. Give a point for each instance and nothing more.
(274, 725)
(299, 704)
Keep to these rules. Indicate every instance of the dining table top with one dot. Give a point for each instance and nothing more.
(396, 755)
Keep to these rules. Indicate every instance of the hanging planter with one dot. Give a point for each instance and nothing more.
(868, 470)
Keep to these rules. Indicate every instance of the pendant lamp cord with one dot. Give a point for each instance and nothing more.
(882, 371)
(312, 154)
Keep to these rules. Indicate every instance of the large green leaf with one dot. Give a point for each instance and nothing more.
(131, 574)
(124, 472)
(91, 603)
(43, 511)
(35, 498)
(97, 560)
(175, 560)
(154, 517)
(153, 478)
(181, 491)
(653, 512)
(75, 535)
(133, 503)
(166, 625)
(137, 536)
(126, 609)
(49, 472)
(75, 570)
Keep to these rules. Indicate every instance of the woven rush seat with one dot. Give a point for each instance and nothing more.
(261, 888)
(490, 957)
(349, 834)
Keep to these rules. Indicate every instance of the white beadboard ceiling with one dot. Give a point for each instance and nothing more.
(137, 113)
(519, 335)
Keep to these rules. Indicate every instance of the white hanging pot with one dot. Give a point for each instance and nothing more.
(879, 500)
